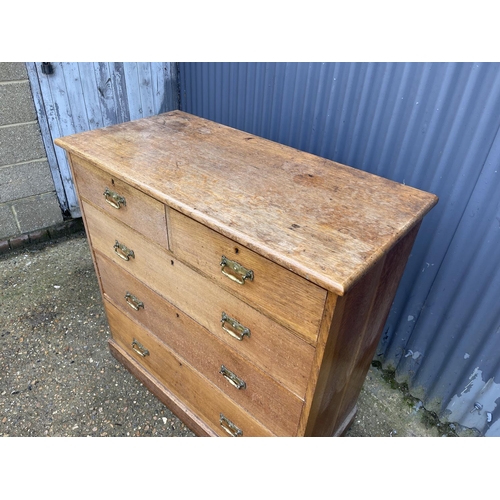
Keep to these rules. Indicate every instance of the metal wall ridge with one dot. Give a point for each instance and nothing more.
(434, 126)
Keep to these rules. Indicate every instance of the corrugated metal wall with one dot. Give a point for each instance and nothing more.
(434, 126)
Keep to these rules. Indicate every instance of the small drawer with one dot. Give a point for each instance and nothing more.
(118, 199)
(197, 393)
(251, 388)
(119, 242)
(283, 295)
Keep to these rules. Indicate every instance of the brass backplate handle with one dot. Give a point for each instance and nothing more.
(229, 427)
(139, 349)
(237, 330)
(114, 199)
(239, 273)
(133, 301)
(232, 378)
(122, 251)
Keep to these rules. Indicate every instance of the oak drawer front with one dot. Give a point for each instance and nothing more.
(179, 377)
(285, 296)
(259, 394)
(118, 199)
(271, 346)
(268, 345)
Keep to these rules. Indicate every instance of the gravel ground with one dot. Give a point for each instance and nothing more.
(58, 378)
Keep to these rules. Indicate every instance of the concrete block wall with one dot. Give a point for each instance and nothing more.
(28, 201)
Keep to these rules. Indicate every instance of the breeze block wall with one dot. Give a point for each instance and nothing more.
(28, 201)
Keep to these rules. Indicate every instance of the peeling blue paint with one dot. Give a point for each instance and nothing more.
(476, 403)
(85, 96)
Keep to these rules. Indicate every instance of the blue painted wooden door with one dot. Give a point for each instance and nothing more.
(76, 97)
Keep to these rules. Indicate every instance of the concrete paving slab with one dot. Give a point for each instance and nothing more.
(16, 103)
(24, 180)
(13, 71)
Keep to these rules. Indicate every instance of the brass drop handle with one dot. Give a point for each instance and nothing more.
(139, 349)
(122, 251)
(229, 427)
(239, 273)
(114, 199)
(232, 378)
(133, 301)
(236, 330)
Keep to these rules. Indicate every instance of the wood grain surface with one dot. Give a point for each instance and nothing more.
(262, 396)
(140, 211)
(325, 221)
(349, 346)
(159, 390)
(270, 347)
(203, 398)
(283, 295)
(327, 244)
(161, 270)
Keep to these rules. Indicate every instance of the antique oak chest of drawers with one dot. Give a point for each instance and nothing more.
(246, 283)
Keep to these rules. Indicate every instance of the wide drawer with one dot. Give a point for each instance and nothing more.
(197, 393)
(250, 387)
(267, 345)
(118, 199)
(270, 346)
(283, 295)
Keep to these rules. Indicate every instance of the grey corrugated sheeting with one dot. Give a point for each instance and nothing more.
(453, 355)
(434, 126)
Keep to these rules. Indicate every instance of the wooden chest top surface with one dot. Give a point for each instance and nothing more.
(323, 220)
